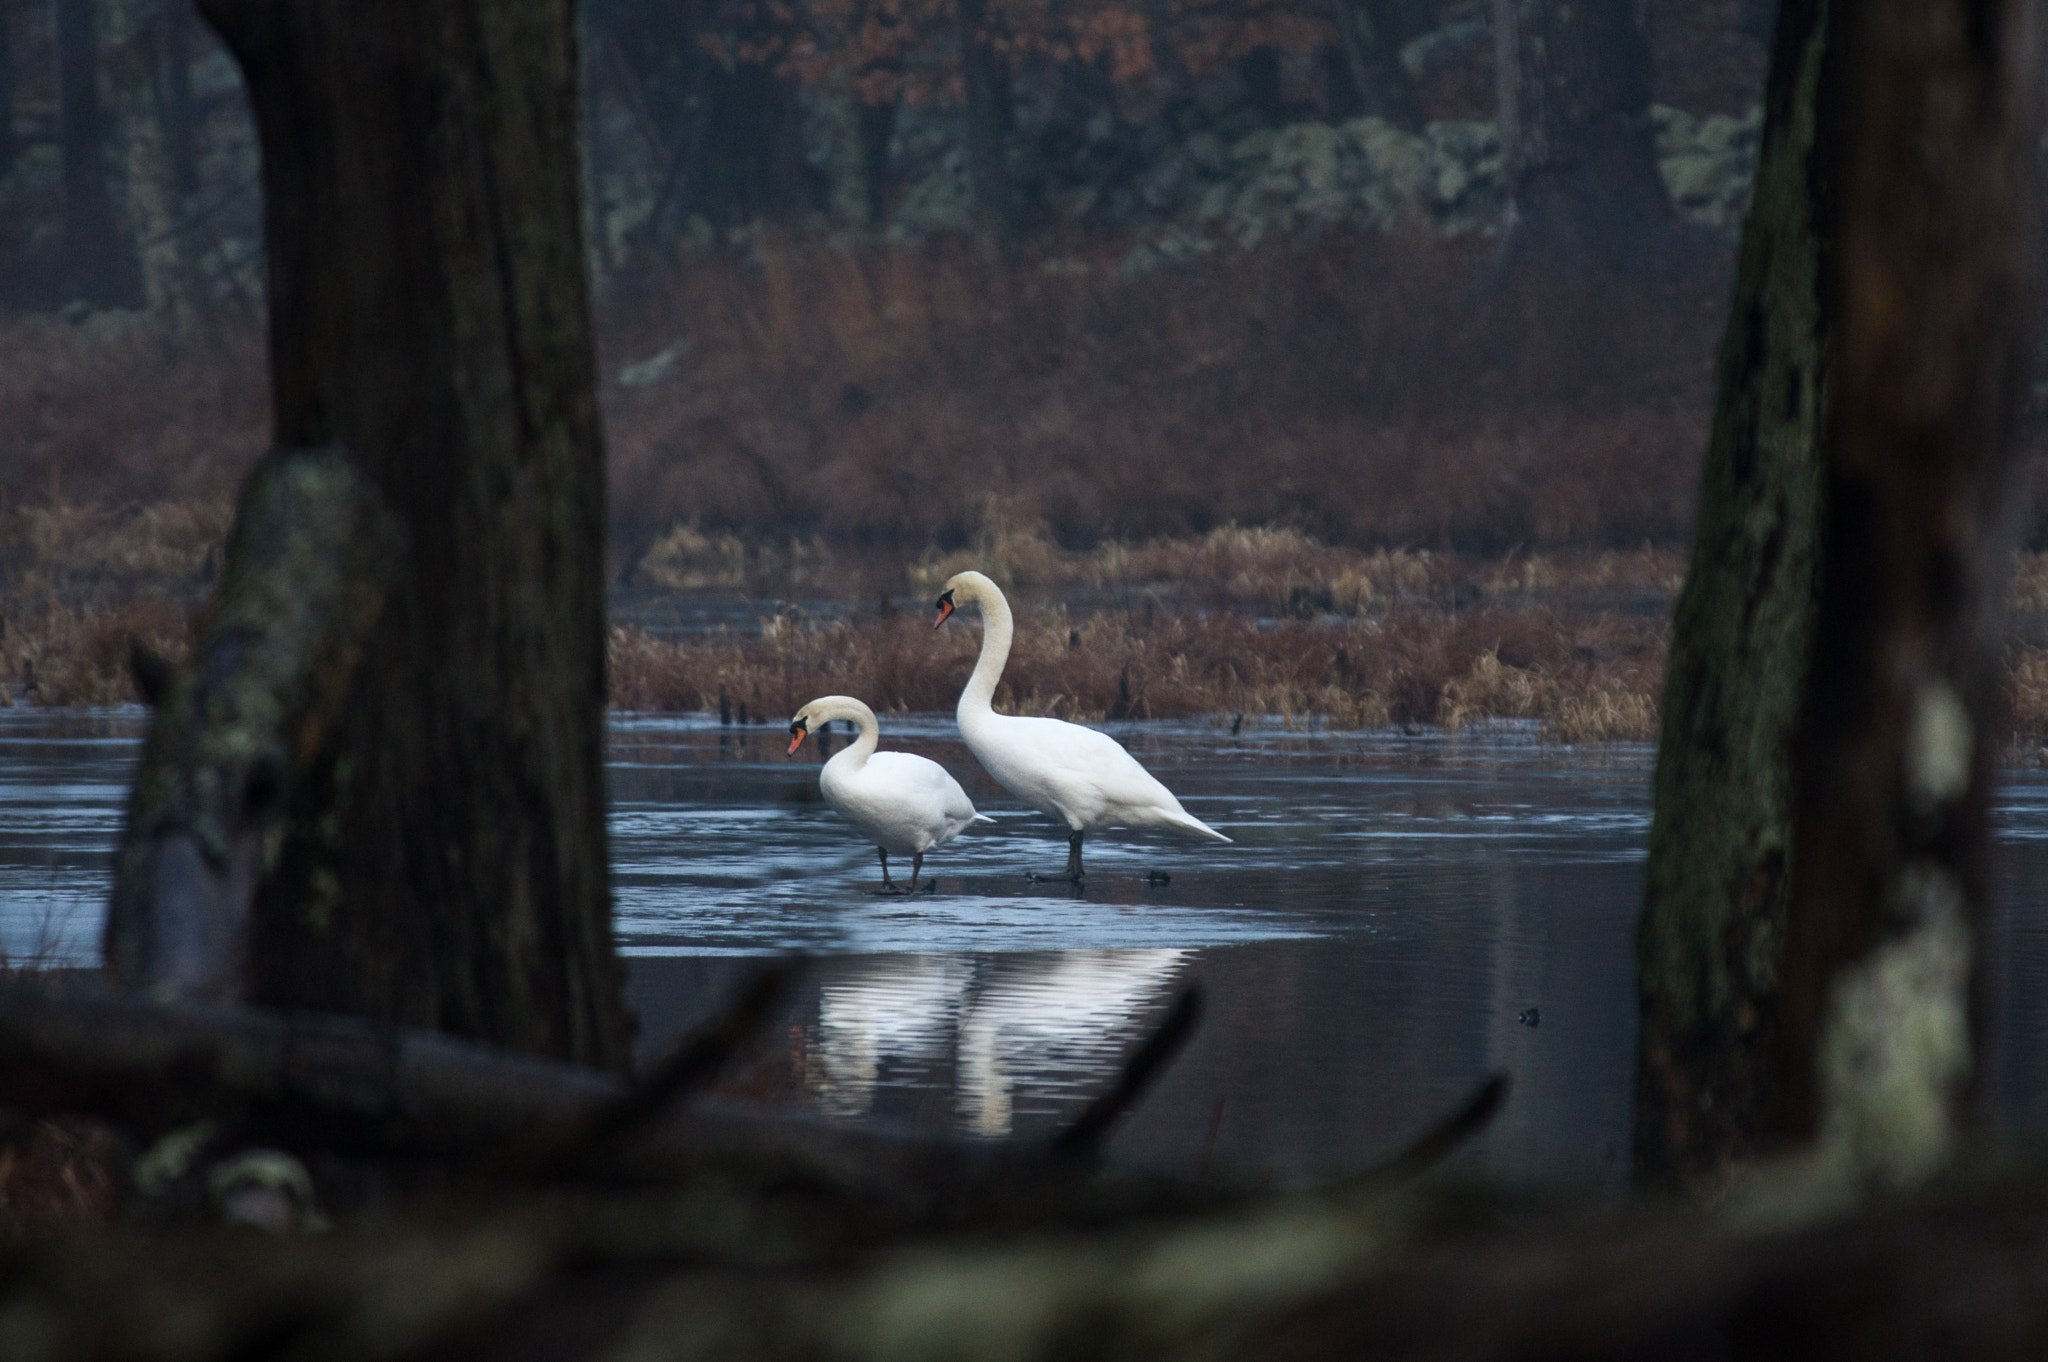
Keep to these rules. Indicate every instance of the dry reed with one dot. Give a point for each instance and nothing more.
(1581, 677)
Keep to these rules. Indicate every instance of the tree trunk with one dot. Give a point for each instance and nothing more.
(755, 148)
(9, 150)
(877, 130)
(95, 266)
(1259, 72)
(180, 133)
(1720, 840)
(1933, 269)
(987, 79)
(1578, 153)
(1807, 930)
(442, 858)
(148, 175)
(1372, 32)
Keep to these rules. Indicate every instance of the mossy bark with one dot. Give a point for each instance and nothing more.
(1720, 843)
(1933, 267)
(1817, 859)
(309, 567)
(443, 860)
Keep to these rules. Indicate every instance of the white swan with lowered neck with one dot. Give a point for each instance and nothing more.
(1078, 775)
(900, 801)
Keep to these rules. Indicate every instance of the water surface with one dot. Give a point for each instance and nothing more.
(1394, 913)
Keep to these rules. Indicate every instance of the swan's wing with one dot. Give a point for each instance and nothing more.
(1077, 773)
(925, 792)
(1104, 763)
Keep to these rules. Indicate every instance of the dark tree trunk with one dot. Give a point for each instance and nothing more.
(754, 147)
(1809, 925)
(987, 78)
(1720, 842)
(180, 145)
(1372, 32)
(1342, 99)
(96, 267)
(8, 149)
(1578, 152)
(1933, 268)
(442, 857)
(877, 130)
(1259, 70)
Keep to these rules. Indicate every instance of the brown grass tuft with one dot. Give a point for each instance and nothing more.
(57, 654)
(1406, 666)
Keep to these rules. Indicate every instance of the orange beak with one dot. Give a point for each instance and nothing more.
(945, 610)
(798, 731)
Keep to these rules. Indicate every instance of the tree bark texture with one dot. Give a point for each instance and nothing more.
(1578, 151)
(95, 265)
(1718, 881)
(1933, 268)
(443, 860)
(1848, 553)
(1372, 32)
(310, 567)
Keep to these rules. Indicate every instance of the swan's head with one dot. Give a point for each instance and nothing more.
(809, 718)
(824, 710)
(961, 588)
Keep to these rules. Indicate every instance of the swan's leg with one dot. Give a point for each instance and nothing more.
(888, 885)
(1073, 870)
(916, 865)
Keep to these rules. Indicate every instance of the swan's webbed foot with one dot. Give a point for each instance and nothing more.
(890, 886)
(1072, 871)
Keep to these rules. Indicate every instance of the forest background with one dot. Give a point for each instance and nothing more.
(1205, 325)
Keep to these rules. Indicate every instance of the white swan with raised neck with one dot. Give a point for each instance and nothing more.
(901, 802)
(1078, 775)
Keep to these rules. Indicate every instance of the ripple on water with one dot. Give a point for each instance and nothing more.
(1393, 903)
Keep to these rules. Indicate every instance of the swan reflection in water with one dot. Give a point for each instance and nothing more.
(1047, 1027)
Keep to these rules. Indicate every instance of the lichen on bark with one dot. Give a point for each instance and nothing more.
(1720, 842)
(309, 567)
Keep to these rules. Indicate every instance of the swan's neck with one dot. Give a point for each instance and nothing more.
(996, 630)
(862, 747)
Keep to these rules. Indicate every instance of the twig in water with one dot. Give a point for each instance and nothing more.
(1446, 1135)
(1081, 1139)
(693, 1061)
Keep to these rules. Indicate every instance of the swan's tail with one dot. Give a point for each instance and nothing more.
(982, 818)
(1191, 825)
